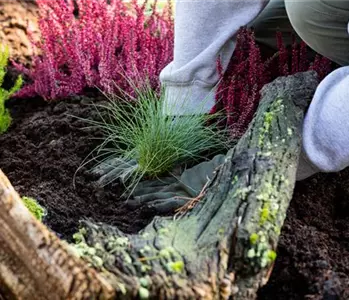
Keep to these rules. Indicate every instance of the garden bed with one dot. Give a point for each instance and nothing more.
(45, 145)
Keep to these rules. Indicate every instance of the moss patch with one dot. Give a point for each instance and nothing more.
(34, 207)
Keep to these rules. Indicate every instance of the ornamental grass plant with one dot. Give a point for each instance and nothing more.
(140, 141)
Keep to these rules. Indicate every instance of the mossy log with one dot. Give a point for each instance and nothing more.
(224, 248)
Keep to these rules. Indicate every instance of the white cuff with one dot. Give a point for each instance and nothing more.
(188, 100)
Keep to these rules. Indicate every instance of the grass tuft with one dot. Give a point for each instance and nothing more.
(140, 141)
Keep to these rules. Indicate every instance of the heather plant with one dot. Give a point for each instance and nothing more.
(140, 141)
(238, 92)
(93, 43)
(5, 117)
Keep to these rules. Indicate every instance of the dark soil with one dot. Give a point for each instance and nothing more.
(313, 254)
(41, 153)
(45, 146)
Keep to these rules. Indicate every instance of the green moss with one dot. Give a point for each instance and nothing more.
(268, 195)
(115, 244)
(167, 253)
(145, 268)
(221, 231)
(94, 256)
(79, 236)
(267, 258)
(235, 179)
(34, 207)
(143, 293)
(254, 238)
(264, 214)
(277, 230)
(146, 250)
(242, 193)
(260, 254)
(176, 266)
(271, 255)
(144, 282)
(251, 253)
(269, 116)
(5, 117)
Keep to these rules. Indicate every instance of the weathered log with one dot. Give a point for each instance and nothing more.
(34, 264)
(224, 247)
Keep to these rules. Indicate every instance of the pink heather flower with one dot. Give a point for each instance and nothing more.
(97, 44)
(238, 91)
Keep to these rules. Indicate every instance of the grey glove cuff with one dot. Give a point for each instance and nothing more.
(305, 167)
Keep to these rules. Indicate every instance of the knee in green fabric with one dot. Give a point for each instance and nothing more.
(322, 25)
(271, 20)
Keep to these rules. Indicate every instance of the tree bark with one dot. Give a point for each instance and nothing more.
(34, 264)
(225, 247)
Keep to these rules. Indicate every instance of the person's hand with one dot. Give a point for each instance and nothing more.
(114, 168)
(165, 195)
(168, 194)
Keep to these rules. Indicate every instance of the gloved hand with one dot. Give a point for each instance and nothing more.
(168, 194)
(305, 168)
(165, 195)
(113, 168)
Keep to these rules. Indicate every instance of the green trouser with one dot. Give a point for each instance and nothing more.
(322, 24)
(202, 32)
